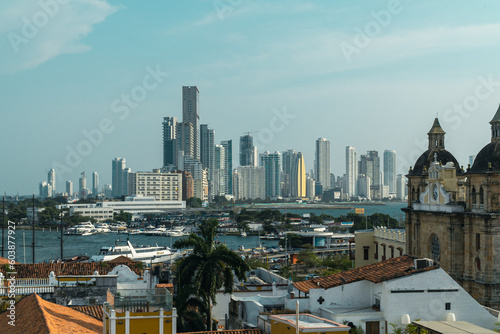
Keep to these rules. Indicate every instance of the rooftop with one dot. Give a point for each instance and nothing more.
(451, 327)
(310, 322)
(376, 273)
(42, 270)
(35, 315)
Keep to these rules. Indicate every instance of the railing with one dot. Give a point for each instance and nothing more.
(32, 281)
(26, 290)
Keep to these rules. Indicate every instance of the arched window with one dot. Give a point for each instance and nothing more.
(473, 195)
(435, 248)
(418, 195)
(481, 196)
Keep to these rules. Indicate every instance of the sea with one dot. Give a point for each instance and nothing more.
(48, 242)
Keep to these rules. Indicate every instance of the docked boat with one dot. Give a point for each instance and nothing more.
(102, 228)
(82, 229)
(243, 234)
(178, 231)
(147, 254)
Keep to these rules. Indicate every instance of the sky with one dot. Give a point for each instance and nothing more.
(85, 81)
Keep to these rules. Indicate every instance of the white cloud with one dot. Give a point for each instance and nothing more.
(36, 32)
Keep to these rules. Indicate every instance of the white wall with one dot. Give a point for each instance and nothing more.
(356, 294)
(430, 306)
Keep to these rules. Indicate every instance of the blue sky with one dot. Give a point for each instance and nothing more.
(371, 75)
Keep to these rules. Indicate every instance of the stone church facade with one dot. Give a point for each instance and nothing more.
(453, 215)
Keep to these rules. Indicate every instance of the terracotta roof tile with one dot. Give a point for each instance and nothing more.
(35, 315)
(236, 331)
(42, 270)
(3, 261)
(123, 259)
(376, 273)
(95, 311)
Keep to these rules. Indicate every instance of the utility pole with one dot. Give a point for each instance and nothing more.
(3, 226)
(61, 226)
(33, 242)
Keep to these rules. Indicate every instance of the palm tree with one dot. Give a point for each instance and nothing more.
(209, 267)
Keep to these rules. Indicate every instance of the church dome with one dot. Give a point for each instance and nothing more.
(429, 156)
(436, 152)
(488, 159)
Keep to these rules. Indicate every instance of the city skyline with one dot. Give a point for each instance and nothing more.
(288, 73)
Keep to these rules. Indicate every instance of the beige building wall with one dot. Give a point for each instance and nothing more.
(378, 245)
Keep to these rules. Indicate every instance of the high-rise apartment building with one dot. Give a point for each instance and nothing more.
(170, 142)
(298, 177)
(69, 188)
(161, 186)
(51, 179)
(401, 187)
(228, 166)
(45, 190)
(369, 165)
(249, 182)
(95, 184)
(322, 167)
(219, 171)
(390, 170)
(351, 171)
(272, 164)
(108, 192)
(185, 140)
(246, 151)
(117, 181)
(289, 161)
(207, 154)
(191, 114)
(82, 186)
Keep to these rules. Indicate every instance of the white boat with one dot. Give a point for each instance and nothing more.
(82, 229)
(147, 254)
(118, 227)
(178, 231)
(243, 234)
(102, 228)
(157, 231)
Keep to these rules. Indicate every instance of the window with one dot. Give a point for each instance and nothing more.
(481, 196)
(473, 195)
(478, 241)
(435, 248)
(366, 254)
(447, 306)
(478, 264)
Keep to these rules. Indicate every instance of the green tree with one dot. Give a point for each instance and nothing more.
(48, 215)
(307, 257)
(193, 202)
(293, 240)
(219, 202)
(122, 216)
(209, 267)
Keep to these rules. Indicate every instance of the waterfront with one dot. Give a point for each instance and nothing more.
(48, 242)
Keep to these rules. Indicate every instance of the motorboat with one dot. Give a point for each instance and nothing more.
(147, 254)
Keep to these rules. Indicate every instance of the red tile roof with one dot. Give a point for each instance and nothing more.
(376, 273)
(95, 311)
(123, 259)
(35, 315)
(42, 270)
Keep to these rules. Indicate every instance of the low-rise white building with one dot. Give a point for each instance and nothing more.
(394, 291)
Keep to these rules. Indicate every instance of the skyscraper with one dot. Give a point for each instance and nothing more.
(298, 178)
(207, 155)
(191, 114)
(272, 164)
(390, 170)
(117, 184)
(322, 167)
(51, 179)
(95, 184)
(228, 165)
(369, 165)
(185, 140)
(170, 142)
(351, 170)
(69, 188)
(82, 189)
(289, 162)
(246, 151)
(219, 171)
